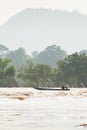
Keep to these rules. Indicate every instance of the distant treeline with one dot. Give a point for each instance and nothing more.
(51, 67)
(71, 71)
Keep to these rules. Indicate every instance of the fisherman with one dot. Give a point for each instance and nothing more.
(63, 87)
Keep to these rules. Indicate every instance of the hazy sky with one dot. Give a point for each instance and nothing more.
(11, 7)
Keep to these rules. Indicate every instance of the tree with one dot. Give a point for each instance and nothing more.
(83, 52)
(18, 57)
(3, 49)
(10, 71)
(51, 55)
(74, 69)
(35, 74)
(43, 74)
(6, 70)
(25, 73)
(34, 54)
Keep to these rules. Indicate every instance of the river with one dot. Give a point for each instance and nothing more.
(27, 108)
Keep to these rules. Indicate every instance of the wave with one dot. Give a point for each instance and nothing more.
(24, 93)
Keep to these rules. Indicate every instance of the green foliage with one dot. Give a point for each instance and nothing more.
(10, 71)
(50, 56)
(71, 71)
(5, 71)
(74, 69)
(43, 74)
(18, 57)
(35, 74)
(42, 69)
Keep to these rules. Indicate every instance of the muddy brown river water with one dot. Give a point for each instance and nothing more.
(30, 109)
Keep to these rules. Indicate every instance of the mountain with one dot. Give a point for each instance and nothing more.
(35, 29)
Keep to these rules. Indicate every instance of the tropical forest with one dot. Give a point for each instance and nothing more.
(52, 67)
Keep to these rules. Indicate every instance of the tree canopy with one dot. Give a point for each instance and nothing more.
(35, 74)
(74, 69)
(6, 71)
(51, 67)
(51, 55)
(3, 49)
(70, 71)
(18, 57)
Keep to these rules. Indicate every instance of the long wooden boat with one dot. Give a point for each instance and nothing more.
(54, 89)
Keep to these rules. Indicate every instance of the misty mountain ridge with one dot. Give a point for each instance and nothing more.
(35, 29)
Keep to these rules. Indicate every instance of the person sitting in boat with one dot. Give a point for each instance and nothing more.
(63, 87)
